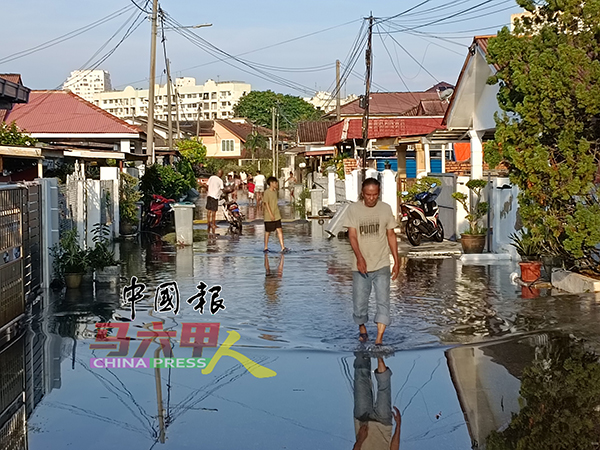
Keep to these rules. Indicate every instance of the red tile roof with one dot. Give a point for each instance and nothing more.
(382, 128)
(390, 103)
(62, 112)
(12, 77)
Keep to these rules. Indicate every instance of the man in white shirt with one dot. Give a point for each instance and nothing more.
(215, 189)
(259, 188)
(371, 224)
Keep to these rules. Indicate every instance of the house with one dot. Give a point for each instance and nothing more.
(225, 138)
(470, 114)
(66, 122)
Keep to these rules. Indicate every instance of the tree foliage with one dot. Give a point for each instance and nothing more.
(548, 133)
(12, 135)
(193, 151)
(166, 181)
(560, 393)
(257, 105)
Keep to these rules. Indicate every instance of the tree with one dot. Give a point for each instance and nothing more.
(193, 151)
(549, 132)
(11, 135)
(255, 143)
(257, 106)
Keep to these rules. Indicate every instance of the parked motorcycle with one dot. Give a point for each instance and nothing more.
(423, 220)
(234, 217)
(160, 212)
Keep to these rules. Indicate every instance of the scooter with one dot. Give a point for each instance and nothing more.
(160, 207)
(423, 220)
(234, 217)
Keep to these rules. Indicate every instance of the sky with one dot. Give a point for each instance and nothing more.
(426, 43)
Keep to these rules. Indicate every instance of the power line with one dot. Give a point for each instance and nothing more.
(65, 37)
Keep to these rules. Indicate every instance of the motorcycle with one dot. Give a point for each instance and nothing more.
(159, 212)
(234, 217)
(423, 220)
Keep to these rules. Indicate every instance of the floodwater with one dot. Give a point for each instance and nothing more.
(473, 362)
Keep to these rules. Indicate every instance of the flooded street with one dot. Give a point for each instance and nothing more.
(462, 342)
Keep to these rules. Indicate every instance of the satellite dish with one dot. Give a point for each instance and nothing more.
(445, 94)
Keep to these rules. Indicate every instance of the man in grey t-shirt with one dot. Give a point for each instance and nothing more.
(371, 224)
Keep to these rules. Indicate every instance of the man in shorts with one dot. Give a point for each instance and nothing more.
(215, 189)
(371, 224)
(272, 215)
(259, 186)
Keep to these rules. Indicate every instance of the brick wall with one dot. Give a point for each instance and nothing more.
(464, 168)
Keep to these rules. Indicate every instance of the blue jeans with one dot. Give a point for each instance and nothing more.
(364, 408)
(361, 290)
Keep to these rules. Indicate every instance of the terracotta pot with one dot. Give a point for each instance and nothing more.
(530, 271)
(527, 292)
(472, 243)
(73, 280)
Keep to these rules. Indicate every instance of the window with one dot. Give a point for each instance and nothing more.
(206, 106)
(213, 96)
(223, 104)
(205, 96)
(227, 145)
(213, 105)
(214, 115)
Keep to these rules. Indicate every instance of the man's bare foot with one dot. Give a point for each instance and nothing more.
(362, 336)
(380, 331)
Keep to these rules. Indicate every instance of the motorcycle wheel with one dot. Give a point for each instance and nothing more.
(413, 234)
(439, 236)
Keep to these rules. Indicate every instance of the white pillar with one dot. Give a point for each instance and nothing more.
(427, 158)
(93, 209)
(476, 154)
(355, 185)
(331, 188)
(371, 173)
(388, 189)
(444, 157)
(50, 213)
(349, 185)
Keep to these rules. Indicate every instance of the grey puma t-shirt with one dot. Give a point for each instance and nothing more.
(371, 227)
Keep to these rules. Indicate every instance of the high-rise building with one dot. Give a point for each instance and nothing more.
(86, 83)
(211, 100)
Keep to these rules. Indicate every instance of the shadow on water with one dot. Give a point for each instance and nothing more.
(468, 362)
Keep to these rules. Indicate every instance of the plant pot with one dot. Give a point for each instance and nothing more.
(73, 280)
(108, 275)
(530, 271)
(472, 243)
(527, 292)
(127, 229)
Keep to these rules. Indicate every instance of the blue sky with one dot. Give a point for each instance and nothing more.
(244, 26)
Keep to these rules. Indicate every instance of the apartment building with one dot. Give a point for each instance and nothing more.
(86, 83)
(208, 101)
(325, 101)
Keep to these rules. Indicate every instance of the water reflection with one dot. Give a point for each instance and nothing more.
(373, 415)
(273, 278)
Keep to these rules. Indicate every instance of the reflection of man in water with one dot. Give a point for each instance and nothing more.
(272, 280)
(373, 420)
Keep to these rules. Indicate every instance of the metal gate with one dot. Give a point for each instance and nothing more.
(447, 204)
(32, 241)
(12, 302)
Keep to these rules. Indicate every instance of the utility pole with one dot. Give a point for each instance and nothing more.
(150, 137)
(273, 138)
(365, 119)
(338, 88)
(169, 118)
(276, 144)
(177, 113)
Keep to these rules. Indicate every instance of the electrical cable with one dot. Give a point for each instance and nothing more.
(65, 37)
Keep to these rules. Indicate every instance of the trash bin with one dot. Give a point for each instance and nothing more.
(316, 201)
(184, 223)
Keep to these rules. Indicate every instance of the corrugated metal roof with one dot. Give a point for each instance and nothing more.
(383, 128)
(313, 131)
(62, 112)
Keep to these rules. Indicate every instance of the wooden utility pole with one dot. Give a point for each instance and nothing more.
(273, 138)
(150, 137)
(338, 88)
(365, 119)
(276, 144)
(169, 118)
(178, 135)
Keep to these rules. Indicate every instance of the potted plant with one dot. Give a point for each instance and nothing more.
(530, 250)
(129, 204)
(70, 259)
(473, 240)
(101, 258)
